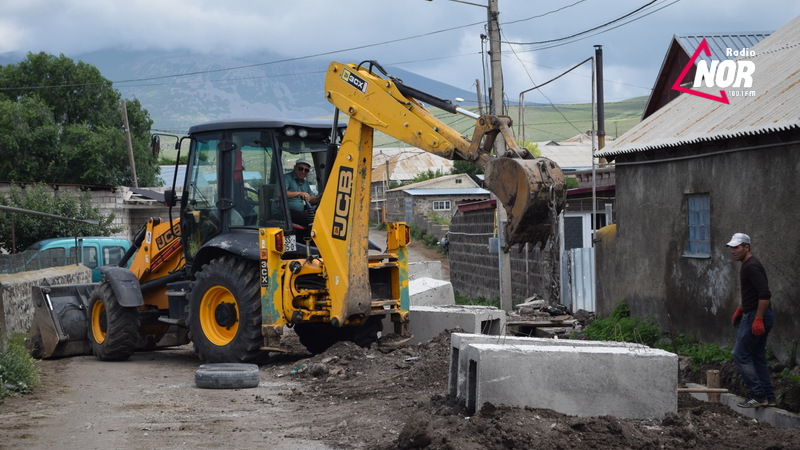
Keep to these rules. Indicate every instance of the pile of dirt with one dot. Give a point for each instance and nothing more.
(403, 392)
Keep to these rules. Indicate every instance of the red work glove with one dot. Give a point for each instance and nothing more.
(758, 326)
(736, 316)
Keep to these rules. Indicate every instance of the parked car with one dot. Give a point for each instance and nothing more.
(90, 251)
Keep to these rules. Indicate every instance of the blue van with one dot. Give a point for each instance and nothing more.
(92, 252)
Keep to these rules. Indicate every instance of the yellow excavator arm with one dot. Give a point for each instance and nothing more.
(532, 190)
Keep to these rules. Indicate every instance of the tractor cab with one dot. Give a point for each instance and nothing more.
(237, 177)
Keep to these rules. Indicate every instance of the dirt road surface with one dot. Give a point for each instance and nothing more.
(346, 398)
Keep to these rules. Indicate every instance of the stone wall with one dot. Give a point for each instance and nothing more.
(16, 305)
(474, 270)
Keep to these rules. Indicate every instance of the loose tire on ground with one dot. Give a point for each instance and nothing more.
(227, 376)
(225, 312)
(113, 329)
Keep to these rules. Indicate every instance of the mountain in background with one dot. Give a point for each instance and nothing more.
(263, 85)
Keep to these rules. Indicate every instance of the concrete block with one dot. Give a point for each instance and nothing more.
(459, 363)
(430, 292)
(425, 269)
(424, 291)
(629, 383)
(426, 322)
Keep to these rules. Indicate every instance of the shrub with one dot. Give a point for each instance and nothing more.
(621, 327)
(19, 373)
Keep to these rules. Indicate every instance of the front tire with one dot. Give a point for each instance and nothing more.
(113, 329)
(225, 312)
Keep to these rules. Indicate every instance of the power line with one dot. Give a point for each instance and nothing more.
(586, 31)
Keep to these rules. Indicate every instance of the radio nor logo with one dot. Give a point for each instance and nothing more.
(726, 73)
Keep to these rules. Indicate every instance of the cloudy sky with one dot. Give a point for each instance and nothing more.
(439, 39)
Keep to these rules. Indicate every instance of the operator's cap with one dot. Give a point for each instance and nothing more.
(738, 239)
(302, 161)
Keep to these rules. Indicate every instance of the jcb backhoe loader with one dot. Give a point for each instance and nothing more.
(232, 269)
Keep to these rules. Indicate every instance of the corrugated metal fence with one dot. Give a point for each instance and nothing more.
(580, 276)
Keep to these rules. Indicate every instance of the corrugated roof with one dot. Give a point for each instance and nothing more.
(455, 181)
(691, 119)
(446, 191)
(719, 42)
(405, 163)
(574, 153)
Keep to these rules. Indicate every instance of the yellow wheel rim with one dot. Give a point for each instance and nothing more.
(99, 322)
(219, 316)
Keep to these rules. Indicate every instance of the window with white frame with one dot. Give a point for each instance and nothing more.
(699, 225)
(441, 205)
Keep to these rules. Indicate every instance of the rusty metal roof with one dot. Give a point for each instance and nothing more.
(691, 119)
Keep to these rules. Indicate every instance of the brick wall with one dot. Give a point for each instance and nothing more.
(474, 271)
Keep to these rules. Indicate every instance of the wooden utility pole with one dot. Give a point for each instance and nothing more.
(127, 132)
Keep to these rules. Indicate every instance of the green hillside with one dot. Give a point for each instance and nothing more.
(548, 123)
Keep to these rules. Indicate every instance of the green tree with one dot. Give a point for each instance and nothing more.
(61, 121)
(30, 228)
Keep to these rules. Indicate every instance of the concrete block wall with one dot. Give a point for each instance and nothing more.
(474, 271)
(16, 304)
(625, 382)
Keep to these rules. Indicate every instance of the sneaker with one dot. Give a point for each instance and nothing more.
(752, 403)
(772, 402)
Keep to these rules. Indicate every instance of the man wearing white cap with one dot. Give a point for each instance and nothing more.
(754, 317)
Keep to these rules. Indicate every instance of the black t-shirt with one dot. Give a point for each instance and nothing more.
(754, 284)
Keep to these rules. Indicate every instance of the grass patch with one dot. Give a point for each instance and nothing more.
(479, 301)
(621, 327)
(700, 353)
(19, 373)
(420, 235)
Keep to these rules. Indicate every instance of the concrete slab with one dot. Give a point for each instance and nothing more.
(425, 269)
(778, 418)
(625, 382)
(426, 322)
(426, 291)
(459, 364)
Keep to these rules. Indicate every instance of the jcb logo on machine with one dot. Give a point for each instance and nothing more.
(354, 80)
(341, 210)
(168, 236)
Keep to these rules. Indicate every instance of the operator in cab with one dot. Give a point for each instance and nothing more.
(298, 191)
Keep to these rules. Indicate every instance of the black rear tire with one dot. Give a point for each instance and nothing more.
(113, 329)
(225, 312)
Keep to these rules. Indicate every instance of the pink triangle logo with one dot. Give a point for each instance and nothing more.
(722, 97)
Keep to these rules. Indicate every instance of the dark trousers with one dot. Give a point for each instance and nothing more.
(749, 354)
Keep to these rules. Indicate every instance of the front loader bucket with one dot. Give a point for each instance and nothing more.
(533, 192)
(60, 321)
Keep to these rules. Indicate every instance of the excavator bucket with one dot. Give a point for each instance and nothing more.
(533, 193)
(60, 321)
